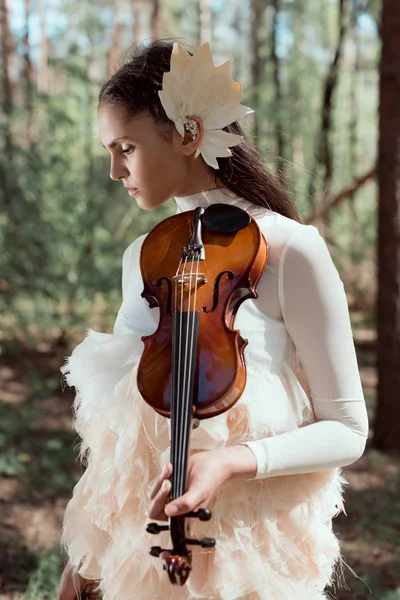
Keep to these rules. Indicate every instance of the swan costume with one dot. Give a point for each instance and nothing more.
(302, 413)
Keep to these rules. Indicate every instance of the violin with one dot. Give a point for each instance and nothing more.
(197, 268)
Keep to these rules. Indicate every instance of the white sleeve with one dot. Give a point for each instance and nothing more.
(130, 268)
(315, 311)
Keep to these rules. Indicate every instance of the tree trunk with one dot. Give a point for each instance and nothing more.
(6, 94)
(323, 153)
(137, 20)
(278, 121)
(156, 20)
(256, 64)
(387, 421)
(42, 76)
(204, 24)
(113, 57)
(28, 73)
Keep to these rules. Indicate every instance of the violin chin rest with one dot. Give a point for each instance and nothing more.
(224, 218)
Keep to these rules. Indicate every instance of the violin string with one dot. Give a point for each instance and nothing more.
(186, 385)
(192, 353)
(189, 354)
(174, 390)
(179, 392)
(175, 385)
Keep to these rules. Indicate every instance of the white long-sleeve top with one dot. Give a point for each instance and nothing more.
(300, 346)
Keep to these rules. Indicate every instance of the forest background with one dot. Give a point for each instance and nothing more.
(311, 70)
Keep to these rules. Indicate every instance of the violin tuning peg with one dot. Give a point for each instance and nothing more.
(156, 551)
(204, 543)
(204, 514)
(155, 528)
(207, 543)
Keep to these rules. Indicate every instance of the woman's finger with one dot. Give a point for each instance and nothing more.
(90, 594)
(166, 474)
(184, 504)
(156, 510)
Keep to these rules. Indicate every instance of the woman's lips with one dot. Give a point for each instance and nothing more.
(132, 191)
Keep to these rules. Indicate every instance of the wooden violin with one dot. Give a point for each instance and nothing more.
(197, 267)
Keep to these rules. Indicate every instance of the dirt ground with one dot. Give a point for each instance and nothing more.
(38, 470)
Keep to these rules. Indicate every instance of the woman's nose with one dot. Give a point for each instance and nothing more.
(118, 171)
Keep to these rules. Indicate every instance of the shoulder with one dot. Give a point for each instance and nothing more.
(303, 259)
(288, 238)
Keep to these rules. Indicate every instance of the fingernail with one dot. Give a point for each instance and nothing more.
(164, 469)
(172, 510)
(165, 485)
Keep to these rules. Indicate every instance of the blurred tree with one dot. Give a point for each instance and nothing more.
(137, 9)
(156, 20)
(115, 38)
(64, 224)
(387, 421)
(323, 146)
(7, 95)
(28, 73)
(256, 71)
(278, 122)
(204, 31)
(43, 65)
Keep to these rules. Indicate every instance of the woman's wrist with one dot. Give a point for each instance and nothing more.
(239, 461)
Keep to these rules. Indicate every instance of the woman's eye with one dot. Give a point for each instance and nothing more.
(128, 150)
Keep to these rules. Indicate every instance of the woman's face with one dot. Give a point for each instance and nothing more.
(152, 168)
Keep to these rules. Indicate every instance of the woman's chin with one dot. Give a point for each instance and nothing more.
(147, 203)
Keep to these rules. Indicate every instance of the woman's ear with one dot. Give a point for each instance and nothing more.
(192, 139)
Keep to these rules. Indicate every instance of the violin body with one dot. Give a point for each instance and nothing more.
(197, 268)
(233, 265)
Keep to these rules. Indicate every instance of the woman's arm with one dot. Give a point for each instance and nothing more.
(130, 281)
(314, 308)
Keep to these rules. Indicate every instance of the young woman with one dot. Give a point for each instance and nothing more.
(269, 467)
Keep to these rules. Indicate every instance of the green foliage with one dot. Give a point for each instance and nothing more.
(44, 581)
(393, 595)
(64, 225)
(36, 456)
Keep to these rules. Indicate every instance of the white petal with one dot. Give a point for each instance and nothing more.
(180, 127)
(180, 59)
(235, 94)
(171, 96)
(221, 139)
(203, 61)
(224, 115)
(224, 68)
(167, 105)
(210, 159)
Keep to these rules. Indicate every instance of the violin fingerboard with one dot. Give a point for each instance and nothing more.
(184, 357)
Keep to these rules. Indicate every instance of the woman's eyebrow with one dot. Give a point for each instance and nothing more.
(115, 141)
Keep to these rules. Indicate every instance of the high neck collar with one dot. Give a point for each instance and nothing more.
(222, 196)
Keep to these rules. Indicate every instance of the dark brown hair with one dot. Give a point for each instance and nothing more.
(134, 88)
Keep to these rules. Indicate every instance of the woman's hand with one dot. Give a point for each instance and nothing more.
(72, 586)
(207, 471)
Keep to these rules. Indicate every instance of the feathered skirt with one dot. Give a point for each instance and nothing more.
(274, 538)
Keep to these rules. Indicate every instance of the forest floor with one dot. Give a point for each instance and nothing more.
(38, 470)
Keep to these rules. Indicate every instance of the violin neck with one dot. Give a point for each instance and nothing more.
(184, 356)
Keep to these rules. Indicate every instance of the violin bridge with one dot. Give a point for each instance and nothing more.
(190, 279)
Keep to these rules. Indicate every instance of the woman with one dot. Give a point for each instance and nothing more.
(269, 468)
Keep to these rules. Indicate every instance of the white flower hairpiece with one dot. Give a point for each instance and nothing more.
(195, 87)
